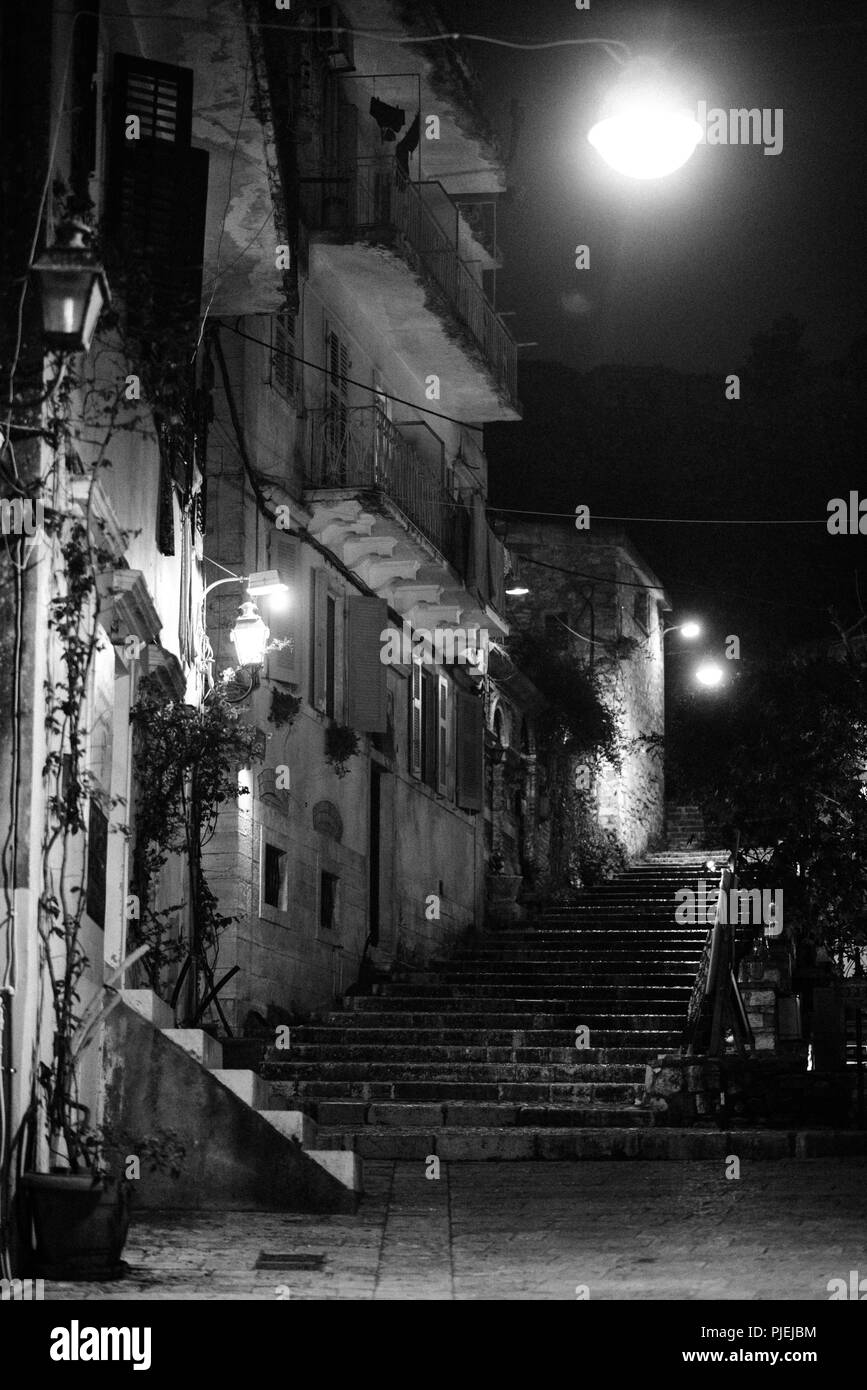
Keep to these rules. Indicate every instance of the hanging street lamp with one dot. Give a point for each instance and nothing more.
(73, 289)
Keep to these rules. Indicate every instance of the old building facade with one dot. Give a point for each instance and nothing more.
(593, 586)
(346, 453)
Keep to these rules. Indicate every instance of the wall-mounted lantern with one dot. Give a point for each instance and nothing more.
(73, 289)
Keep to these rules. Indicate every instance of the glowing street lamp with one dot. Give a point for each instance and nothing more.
(645, 131)
(250, 635)
(689, 630)
(709, 674)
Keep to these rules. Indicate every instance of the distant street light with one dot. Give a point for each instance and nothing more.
(645, 132)
(710, 674)
(517, 591)
(689, 630)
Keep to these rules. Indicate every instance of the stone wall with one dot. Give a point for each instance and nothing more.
(591, 586)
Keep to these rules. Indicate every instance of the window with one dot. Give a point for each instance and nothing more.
(283, 355)
(337, 366)
(443, 737)
(155, 218)
(274, 877)
(330, 654)
(415, 719)
(641, 608)
(97, 848)
(327, 900)
(429, 725)
(323, 644)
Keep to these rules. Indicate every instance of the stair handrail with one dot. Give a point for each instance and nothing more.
(715, 996)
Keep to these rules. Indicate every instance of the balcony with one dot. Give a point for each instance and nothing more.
(377, 205)
(413, 531)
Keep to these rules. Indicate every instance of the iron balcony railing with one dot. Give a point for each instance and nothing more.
(373, 197)
(358, 446)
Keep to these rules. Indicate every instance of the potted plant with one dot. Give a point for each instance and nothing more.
(80, 1210)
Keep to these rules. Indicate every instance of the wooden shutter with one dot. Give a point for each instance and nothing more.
(157, 191)
(469, 751)
(415, 718)
(429, 727)
(319, 637)
(367, 619)
(284, 556)
(283, 354)
(443, 735)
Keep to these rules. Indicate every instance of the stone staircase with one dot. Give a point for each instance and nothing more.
(684, 828)
(477, 1057)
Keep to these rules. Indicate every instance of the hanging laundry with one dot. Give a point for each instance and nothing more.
(390, 119)
(408, 144)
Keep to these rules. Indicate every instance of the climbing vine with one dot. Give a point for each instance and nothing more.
(186, 761)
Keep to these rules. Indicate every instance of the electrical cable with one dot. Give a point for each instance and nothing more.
(685, 584)
(670, 520)
(362, 386)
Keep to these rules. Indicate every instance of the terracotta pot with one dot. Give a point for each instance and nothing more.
(81, 1227)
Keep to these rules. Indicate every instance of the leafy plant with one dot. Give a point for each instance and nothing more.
(186, 760)
(341, 744)
(578, 726)
(784, 763)
(284, 708)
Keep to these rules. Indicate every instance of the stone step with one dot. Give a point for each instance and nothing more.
(400, 1056)
(601, 1037)
(478, 1144)
(666, 999)
(364, 1039)
(354, 1113)
(362, 1069)
(599, 1015)
(435, 1092)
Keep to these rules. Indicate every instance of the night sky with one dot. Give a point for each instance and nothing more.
(624, 395)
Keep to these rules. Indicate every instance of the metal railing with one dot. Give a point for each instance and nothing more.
(358, 446)
(377, 196)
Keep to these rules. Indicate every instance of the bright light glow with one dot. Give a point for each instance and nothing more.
(518, 591)
(646, 143)
(279, 600)
(646, 129)
(709, 674)
(250, 636)
(690, 631)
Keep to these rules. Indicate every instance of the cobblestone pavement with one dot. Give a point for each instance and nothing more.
(520, 1231)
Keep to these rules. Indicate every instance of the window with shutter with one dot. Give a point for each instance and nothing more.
(429, 726)
(367, 618)
(469, 739)
(284, 663)
(330, 654)
(443, 736)
(415, 719)
(318, 638)
(157, 192)
(283, 354)
(337, 362)
(97, 851)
